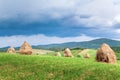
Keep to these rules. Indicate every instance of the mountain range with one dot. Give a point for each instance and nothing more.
(85, 44)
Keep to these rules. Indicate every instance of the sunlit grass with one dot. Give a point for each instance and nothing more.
(39, 67)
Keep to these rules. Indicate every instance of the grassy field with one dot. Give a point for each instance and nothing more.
(47, 67)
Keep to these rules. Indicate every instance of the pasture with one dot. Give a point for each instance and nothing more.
(49, 67)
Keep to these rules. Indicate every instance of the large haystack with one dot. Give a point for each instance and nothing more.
(67, 53)
(11, 50)
(58, 54)
(25, 49)
(105, 54)
(87, 55)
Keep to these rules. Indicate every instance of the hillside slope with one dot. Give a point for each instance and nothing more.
(86, 44)
(19, 67)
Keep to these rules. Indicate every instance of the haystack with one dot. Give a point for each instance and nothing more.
(25, 49)
(67, 53)
(11, 50)
(105, 54)
(87, 55)
(58, 54)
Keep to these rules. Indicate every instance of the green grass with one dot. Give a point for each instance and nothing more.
(74, 52)
(118, 55)
(47, 67)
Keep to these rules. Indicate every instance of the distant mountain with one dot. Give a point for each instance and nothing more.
(86, 44)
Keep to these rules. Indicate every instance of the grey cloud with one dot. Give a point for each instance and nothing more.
(102, 12)
(40, 39)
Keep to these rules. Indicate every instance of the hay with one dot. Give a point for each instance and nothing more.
(25, 49)
(58, 54)
(105, 54)
(67, 53)
(87, 55)
(11, 50)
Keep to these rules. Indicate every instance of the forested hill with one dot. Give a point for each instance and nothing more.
(86, 44)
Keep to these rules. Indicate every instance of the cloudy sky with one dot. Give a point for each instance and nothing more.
(43, 22)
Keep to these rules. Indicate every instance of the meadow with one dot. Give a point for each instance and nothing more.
(49, 67)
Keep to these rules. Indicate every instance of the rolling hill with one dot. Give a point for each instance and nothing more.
(86, 44)
(39, 67)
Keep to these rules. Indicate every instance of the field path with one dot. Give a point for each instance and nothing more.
(40, 51)
(84, 51)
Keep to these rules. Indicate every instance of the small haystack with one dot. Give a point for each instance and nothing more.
(87, 55)
(67, 53)
(11, 50)
(105, 54)
(25, 49)
(58, 54)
